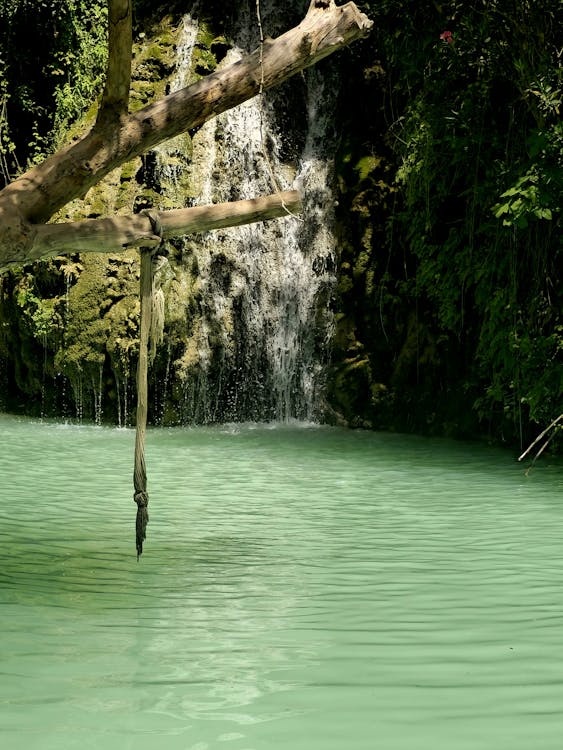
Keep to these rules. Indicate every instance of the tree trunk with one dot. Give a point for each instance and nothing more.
(116, 137)
(115, 99)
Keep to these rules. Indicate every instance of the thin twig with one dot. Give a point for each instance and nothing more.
(540, 437)
(259, 17)
(275, 182)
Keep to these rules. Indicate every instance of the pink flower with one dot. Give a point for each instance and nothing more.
(447, 36)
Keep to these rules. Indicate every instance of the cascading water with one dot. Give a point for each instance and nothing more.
(256, 343)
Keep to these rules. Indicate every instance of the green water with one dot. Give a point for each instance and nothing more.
(301, 588)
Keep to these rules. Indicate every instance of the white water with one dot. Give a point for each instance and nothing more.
(256, 349)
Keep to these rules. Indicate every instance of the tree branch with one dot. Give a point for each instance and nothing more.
(553, 426)
(115, 99)
(118, 233)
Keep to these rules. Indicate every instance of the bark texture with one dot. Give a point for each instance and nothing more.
(121, 232)
(115, 99)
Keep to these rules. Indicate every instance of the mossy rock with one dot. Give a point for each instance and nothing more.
(142, 92)
(366, 165)
(154, 62)
(350, 389)
(204, 61)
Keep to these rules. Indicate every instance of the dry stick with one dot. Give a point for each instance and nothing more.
(140, 473)
(261, 99)
(540, 437)
(115, 98)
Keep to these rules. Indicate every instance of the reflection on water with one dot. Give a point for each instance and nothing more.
(302, 587)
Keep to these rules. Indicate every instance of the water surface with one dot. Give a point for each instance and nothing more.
(302, 588)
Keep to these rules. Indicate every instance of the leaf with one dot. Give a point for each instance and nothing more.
(501, 209)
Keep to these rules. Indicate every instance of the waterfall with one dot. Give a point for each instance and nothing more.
(257, 329)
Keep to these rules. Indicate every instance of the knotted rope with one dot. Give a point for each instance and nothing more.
(150, 330)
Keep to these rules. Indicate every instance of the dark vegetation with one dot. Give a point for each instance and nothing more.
(450, 219)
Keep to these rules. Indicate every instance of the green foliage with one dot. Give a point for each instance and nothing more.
(7, 145)
(53, 56)
(525, 200)
(39, 313)
(467, 264)
(537, 193)
(79, 68)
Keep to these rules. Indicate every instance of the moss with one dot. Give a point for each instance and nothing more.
(128, 186)
(204, 61)
(122, 342)
(130, 169)
(102, 320)
(154, 61)
(366, 165)
(205, 36)
(209, 50)
(362, 263)
(142, 92)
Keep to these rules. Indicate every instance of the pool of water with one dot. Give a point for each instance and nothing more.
(302, 587)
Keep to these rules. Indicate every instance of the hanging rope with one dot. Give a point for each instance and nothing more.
(140, 472)
(150, 331)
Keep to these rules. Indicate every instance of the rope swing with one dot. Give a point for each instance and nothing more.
(150, 334)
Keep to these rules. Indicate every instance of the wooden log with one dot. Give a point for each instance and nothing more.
(121, 232)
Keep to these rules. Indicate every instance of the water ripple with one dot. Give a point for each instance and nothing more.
(301, 587)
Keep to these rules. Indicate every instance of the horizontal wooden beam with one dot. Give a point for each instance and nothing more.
(134, 230)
